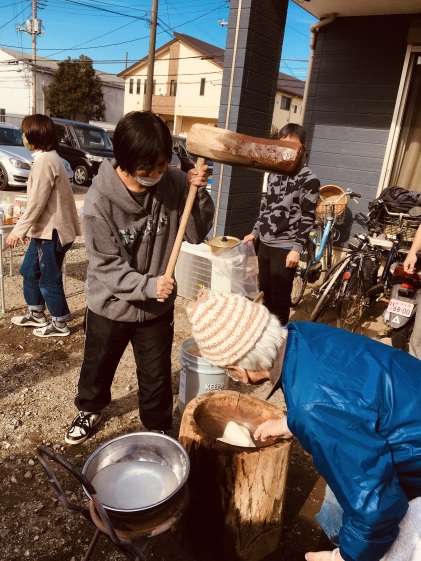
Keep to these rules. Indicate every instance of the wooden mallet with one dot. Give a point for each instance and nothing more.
(235, 149)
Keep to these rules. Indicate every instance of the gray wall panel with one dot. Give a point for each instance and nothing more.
(339, 146)
(360, 106)
(345, 161)
(351, 91)
(351, 134)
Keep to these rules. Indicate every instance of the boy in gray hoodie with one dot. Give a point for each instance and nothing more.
(131, 217)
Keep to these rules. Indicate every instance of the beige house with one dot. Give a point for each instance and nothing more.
(187, 86)
(288, 102)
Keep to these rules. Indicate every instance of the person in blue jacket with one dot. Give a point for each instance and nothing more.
(352, 402)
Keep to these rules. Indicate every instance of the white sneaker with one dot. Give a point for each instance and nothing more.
(29, 320)
(52, 330)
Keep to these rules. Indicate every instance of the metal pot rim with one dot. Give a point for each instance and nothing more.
(155, 506)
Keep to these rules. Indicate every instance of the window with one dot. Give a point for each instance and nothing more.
(2, 115)
(131, 86)
(153, 87)
(173, 87)
(62, 134)
(202, 86)
(295, 108)
(138, 86)
(285, 102)
(406, 171)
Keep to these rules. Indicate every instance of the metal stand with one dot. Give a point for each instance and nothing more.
(4, 229)
(129, 536)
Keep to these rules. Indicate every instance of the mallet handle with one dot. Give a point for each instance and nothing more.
(169, 271)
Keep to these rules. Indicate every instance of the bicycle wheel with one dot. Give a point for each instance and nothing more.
(301, 275)
(329, 290)
(351, 306)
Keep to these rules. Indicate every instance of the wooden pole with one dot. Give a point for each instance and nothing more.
(172, 262)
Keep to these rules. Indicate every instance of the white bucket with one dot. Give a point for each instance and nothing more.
(197, 376)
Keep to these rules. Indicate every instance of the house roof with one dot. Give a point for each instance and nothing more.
(50, 65)
(208, 51)
(286, 83)
(347, 8)
(291, 85)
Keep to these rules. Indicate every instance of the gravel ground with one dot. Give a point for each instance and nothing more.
(38, 379)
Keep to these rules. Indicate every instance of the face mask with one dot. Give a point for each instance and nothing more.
(26, 143)
(147, 181)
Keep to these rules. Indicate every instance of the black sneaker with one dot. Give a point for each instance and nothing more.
(82, 427)
(29, 320)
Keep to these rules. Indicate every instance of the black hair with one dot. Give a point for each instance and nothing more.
(140, 138)
(291, 129)
(40, 132)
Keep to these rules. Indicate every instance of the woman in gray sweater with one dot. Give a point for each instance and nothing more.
(131, 217)
(50, 224)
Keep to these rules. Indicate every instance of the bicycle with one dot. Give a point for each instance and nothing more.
(353, 284)
(329, 293)
(316, 257)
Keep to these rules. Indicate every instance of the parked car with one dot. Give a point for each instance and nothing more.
(175, 161)
(179, 148)
(108, 127)
(16, 160)
(85, 146)
(188, 161)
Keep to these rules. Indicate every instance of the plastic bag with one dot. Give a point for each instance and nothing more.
(239, 265)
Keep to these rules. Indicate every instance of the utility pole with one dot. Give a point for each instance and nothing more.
(151, 57)
(33, 28)
(34, 58)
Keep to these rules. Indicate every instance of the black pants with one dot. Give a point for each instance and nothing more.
(105, 343)
(275, 279)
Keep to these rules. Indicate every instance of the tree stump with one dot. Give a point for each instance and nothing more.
(236, 494)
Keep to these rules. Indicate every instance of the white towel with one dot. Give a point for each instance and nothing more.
(407, 546)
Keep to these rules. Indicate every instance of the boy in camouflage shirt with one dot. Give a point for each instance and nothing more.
(282, 229)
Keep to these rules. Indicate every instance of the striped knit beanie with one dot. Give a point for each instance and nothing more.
(226, 326)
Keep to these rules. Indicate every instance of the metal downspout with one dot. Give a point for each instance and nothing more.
(314, 29)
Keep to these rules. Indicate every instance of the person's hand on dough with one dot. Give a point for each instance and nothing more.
(334, 555)
(273, 427)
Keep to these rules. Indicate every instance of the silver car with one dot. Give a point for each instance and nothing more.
(16, 160)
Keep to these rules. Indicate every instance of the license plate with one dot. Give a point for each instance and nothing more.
(401, 308)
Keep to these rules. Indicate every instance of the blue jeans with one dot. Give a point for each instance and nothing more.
(330, 516)
(42, 278)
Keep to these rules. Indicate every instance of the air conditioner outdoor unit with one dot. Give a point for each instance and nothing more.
(196, 269)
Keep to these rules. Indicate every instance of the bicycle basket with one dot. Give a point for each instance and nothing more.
(406, 224)
(331, 197)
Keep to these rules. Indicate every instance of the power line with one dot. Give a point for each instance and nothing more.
(13, 18)
(78, 3)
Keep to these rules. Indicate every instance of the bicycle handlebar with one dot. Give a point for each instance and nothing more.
(353, 194)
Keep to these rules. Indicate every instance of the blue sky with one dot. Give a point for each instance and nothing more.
(109, 31)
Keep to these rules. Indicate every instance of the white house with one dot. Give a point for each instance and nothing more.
(16, 87)
(187, 86)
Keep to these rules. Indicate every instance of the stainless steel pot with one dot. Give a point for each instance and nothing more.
(137, 473)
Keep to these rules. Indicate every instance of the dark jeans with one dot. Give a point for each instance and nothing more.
(105, 343)
(42, 278)
(275, 279)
